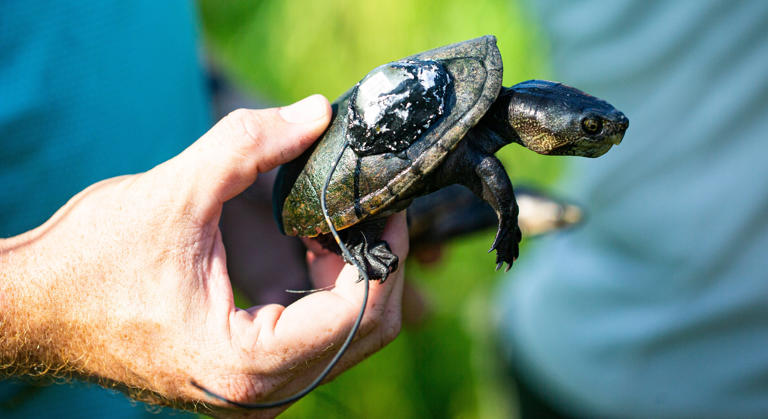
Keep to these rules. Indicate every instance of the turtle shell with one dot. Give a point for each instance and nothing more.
(396, 125)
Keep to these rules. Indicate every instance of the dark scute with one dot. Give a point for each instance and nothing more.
(395, 104)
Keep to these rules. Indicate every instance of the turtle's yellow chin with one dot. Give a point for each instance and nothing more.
(615, 139)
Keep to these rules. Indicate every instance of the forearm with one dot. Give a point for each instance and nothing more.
(44, 330)
(26, 334)
(47, 299)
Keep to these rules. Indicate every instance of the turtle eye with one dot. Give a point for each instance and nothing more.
(591, 125)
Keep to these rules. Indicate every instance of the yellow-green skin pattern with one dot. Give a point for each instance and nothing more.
(362, 187)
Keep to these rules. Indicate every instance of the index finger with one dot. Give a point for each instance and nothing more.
(319, 322)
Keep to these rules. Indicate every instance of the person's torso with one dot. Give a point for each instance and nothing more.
(658, 304)
(89, 90)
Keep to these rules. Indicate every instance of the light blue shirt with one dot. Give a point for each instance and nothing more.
(89, 90)
(658, 307)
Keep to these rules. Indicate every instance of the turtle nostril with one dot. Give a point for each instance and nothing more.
(623, 122)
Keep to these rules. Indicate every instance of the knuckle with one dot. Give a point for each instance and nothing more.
(247, 123)
(374, 322)
(246, 389)
(392, 330)
(389, 328)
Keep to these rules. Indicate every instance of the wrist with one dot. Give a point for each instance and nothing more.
(24, 344)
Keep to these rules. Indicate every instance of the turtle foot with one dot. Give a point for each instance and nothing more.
(507, 245)
(376, 258)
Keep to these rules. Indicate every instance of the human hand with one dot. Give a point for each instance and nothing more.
(127, 283)
(261, 273)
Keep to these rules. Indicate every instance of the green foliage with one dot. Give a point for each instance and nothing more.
(285, 50)
(289, 49)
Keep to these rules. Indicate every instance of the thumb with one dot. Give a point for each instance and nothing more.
(227, 159)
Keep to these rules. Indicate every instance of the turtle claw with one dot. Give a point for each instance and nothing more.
(495, 241)
(500, 264)
(506, 245)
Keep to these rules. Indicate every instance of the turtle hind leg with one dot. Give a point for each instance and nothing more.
(368, 250)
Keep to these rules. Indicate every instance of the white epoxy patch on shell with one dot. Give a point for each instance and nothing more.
(427, 76)
(375, 97)
(393, 105)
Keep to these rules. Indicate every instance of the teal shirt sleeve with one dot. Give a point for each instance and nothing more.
(89, 90)
(657, 307)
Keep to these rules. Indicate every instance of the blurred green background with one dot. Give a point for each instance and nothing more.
(282, 51)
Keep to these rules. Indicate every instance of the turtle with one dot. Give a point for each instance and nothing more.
(412, 127)
(416, 125)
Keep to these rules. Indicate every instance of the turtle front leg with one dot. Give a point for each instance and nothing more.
(484, 175)
(493, 185)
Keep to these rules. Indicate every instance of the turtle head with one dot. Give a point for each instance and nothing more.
(552, 118)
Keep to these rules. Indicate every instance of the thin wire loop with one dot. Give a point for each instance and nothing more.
(351, 334)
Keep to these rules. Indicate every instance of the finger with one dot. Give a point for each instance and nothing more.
(364, 345)
(370, 341)
(396, 234)
(387, 326)
(227, 159)
(366, 342)
(320, 322)
(324, 267)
